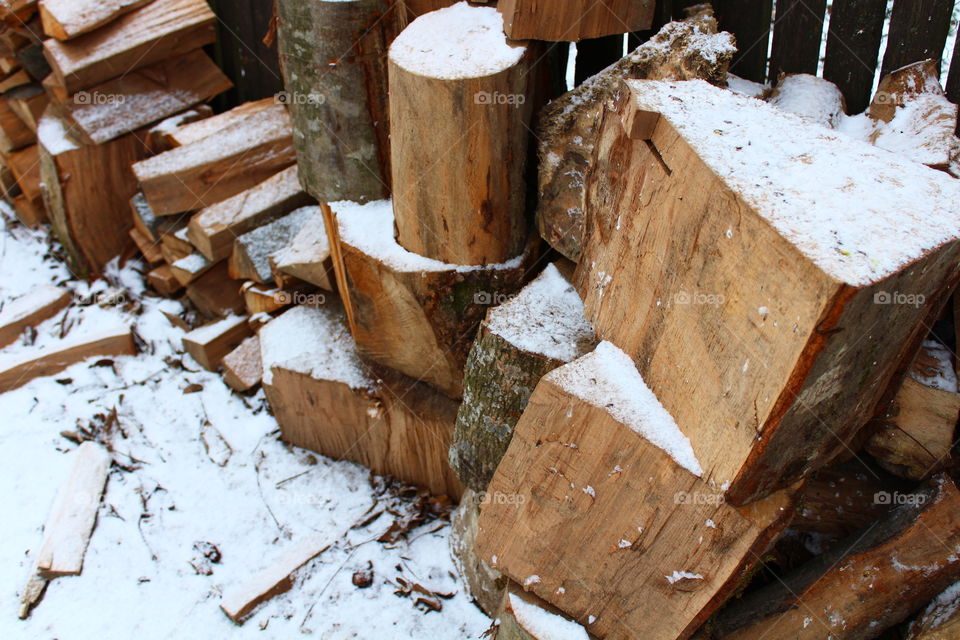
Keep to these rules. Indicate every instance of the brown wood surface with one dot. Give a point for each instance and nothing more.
(242, 367)
(575, 20)
(209, 346)
(65, 19)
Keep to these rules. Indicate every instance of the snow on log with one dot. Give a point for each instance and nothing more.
(211, 342)
(65, 19)
(941, 619)
(524, 616)
(31, 309)
(250, 259)
(242, 369)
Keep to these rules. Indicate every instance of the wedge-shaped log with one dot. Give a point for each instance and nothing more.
(163, 281)
(30, 310)
(210, 343)
(25, 167)
(250, 259)
(306, 258)
(14, 132)
(327, 400)
(212, 169)
(600, 498)
(411, 313)
(785, 372)
(863, 585)
(242, 368)
(575, 20)
(150, 250)
(65, 19)
(162, 29)
(189, 268)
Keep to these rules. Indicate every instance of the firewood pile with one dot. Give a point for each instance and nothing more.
(667, 337)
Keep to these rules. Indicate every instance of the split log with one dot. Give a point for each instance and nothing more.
(485, 584)
(209, 170)
(189, 268)
(258, 298)
(163, 282)
(14, 132)
(74, 513)
(215, 294)
(150, 250)
(28, 102)
(160, 30)
(411, 313)
(65, 19)
(206, 127)
(176, 244)
(30, 211)
(573, 21)
(242, 368)
(540, 329)
(25, 167)
(150, 226)
(211, 342)
(250, 259)
(18, 369)
(600, 498)
(305, 259)
(16, 79)
(941, 619)
(212, 230)
(466, 204)
(31, 309)
(159, 137)
(333, 58)
(773, 365)
(325, 399)
(524, 616)
(567, 128)
(865, 584)
(86, 189)
(145, 96)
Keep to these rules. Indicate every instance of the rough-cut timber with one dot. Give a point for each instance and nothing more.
(150, 250)
(210, 343)
(567, 128)
(242, 368)
(783, 381)
(163, 281)
(411, 313)
(334, 60)
(598, 508)
(864, 584)
(540, 329)
(25, 167)
(65, 19)
(260, 298)
(189, 268)
(250, 259)
(484, 583)
(185, 134)
(30, 310)
(459, 136)
(14, 132)
(574, 20)
(160, 30)
(325, 399)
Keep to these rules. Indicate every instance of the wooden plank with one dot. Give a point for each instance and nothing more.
(918, 31)
(853, 49)
(749, 22)
(65, 19)
(573, 21)
(797, 34)
(30, 310)
(74, 513)
(242, 367)
(17, 370)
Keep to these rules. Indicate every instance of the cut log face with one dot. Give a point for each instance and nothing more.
(65, 19)
(250, 259)
(458, 179)
(210, 343)
(783, 382)
(242, 368)
(327, 400)
(258, 298)
(334, 61)
(865, 584)
(30, 310)
(189, 268)
(599, 498)
(485, 584)
(14, 132)
(306, 259)
(212, 169)
(150, 250)
(160, 30)
(411, 313)
(540, 329)
(575, 20)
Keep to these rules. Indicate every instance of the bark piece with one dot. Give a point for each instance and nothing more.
(573, 21)
(211, 342)
(65, 19)
(485, 584)
(31, 309)
(242, 367)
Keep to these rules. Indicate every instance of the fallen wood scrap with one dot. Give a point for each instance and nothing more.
(215, 294)
(163, 281)
(250, 259)
(540, 329)
(941, 619)
(30, 310)
(212, 230)
(209, 170)
(524, 616)
(65, 19)
(242, 367)
(276, 578)
(160, 30)
(600, 497)
(305, 259)
(411, 313)
(772, 365)
(211, 342)
(17, 370)
(573, 21)
(485, 585)
(865, 584)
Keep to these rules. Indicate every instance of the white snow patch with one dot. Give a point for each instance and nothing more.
(542, 624)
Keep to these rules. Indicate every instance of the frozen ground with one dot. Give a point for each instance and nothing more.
(145, 575)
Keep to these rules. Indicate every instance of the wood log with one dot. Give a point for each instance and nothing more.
(30, 212)
(31, 309)
(18, 369)
(258, 298)
(941, 619)
(206, 127)
(333, 58)
(540, 329)
(86, 190)
(573, 21)
(148, 225)
(485, 585)
(29, 103)
(306, 259)
(215, 294)
(466, 205)
(411, 313)
(325, 399)
(211, 342)
(199, 174)
(65, 19)
(176, 244)
(163, 281)
(865, 584)
(524, 616)
(25, 167)
(145, 96)
(148, 249)
(250, 259)
(160, 135)
(567, 128)
(14, 132)
(189, 268)
(212, 230)
(15, 79)
(160, 30)
(242, 368)
(773, 365)
(600, 498)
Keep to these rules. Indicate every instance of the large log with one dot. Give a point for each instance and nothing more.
(540, 329)
(65, 19)
(573, 21)
(333, 56)
(469, 117)
(784, 379)
(601, 508)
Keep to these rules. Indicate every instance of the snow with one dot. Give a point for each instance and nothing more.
(546, 317)
(193, 263)
(461, 41)
(607, 378)
(52, 133)
(310, 244)
(941, 374)
(745, 87)
(859, 213)
(941, 608)
(264, 241)
(206, 333)
(676, 576)
(813, 99)
(542, 624)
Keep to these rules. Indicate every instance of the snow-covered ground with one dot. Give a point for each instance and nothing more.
(168, 500)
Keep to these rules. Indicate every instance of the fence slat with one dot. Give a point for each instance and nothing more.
(797, 33)
(918, 30)
(253, 66)
(853, 49)
(749, 22)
